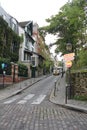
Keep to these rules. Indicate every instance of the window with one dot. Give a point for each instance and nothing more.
(33, 60)
(27, 57)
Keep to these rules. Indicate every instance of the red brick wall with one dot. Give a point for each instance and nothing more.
(9, 79)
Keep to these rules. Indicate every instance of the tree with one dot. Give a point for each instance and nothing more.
(82, 62)
(68, 25)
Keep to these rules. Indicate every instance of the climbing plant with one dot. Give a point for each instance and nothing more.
(9, 42)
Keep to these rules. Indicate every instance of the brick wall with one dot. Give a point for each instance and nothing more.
(6, 79)
(9, 79)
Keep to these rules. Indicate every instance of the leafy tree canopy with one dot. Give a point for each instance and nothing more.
(68, 25)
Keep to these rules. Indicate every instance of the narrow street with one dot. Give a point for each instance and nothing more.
(32, 110)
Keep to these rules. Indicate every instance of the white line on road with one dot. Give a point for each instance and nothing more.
(39, 99)
(22, 101)
(25, 99)
(29, 96)
(10, 101)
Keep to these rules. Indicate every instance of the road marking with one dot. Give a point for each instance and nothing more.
(28, 97)
(10, 101)
(22, 101)
(39, 99)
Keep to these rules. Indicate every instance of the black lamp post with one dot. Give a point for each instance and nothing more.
(69, 49)
(62, 69)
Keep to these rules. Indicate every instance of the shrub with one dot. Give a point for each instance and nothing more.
(22, 70)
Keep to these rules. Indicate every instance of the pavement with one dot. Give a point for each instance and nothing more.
(57, 95)
(16, 88)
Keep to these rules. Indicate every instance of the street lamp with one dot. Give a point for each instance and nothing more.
(69, 49)
(62, 69)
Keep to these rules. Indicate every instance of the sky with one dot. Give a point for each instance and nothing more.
(35, 10)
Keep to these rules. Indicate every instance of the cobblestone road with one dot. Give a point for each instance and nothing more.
(40, 117)
(32, 110)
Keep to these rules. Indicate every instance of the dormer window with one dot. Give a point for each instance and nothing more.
(28, 30)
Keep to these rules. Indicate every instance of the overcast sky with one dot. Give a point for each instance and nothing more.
(35, 10)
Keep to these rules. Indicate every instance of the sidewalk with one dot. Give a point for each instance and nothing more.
(58, 96)
(18, 87)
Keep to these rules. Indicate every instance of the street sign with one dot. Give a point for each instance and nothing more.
(69, 57)
(68, 64)
(3, 65)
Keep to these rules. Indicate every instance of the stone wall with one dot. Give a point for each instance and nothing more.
(79, 83)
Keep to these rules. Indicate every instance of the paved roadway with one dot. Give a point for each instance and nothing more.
(32, 110)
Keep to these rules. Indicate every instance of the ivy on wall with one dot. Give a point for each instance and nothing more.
(9, 42)
(22, 70)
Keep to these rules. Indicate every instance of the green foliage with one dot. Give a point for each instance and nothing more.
(9, 42)
(14, 57)
(22, 70)
(68, 25)
(82, 58)
(46, 64)
(33, 67)
(81, 98)
(7, 67)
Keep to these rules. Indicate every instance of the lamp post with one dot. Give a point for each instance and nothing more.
(62, 69)
(69, 49)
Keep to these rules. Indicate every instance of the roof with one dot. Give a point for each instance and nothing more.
(24, 23)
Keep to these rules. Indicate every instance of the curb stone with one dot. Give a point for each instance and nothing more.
(20, 90)
(68, 106)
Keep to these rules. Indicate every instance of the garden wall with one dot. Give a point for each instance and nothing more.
(9, 79)
(79, 83)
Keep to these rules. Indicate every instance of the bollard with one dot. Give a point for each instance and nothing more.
(68, 91)
(55, 88)
(66, 94)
